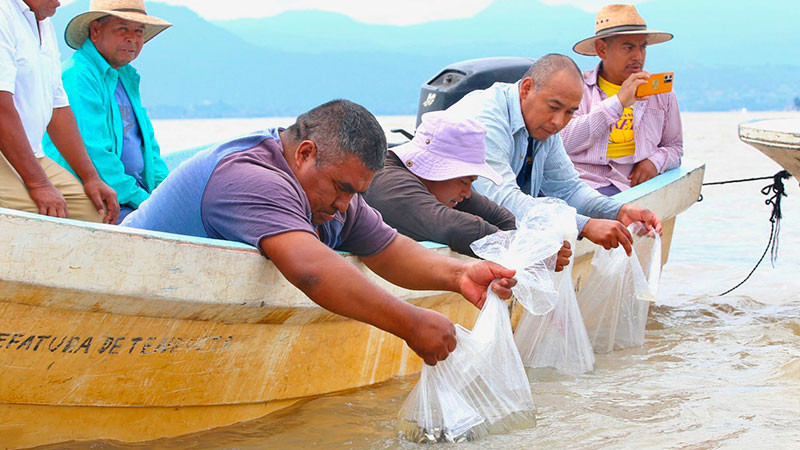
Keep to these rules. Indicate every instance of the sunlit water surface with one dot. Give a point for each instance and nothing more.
(715, 372)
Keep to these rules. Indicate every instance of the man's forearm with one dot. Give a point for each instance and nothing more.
(64, 133)
(15, 146)
(590, 203)
(335, 284)
(341, 288)
(410, 265)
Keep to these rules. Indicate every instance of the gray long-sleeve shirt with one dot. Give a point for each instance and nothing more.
(405, 204)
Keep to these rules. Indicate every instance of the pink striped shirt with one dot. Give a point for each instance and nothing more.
(657, 132)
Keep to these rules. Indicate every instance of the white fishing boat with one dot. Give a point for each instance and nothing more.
(777, 138)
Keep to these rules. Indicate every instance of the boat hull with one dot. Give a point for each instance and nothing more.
(92, 374)
(779, 139)
(112, 333)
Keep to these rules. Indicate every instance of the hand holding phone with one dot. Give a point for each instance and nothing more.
(658, 83)
(627, 92)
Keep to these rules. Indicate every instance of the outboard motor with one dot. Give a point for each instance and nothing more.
(461, 78)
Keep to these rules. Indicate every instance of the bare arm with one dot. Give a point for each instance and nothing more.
(63, 131)
(412, 266)
(17, 150)
(336, 285)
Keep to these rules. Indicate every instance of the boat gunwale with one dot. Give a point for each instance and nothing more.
(787, 140)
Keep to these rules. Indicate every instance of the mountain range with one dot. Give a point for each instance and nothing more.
(725, 55)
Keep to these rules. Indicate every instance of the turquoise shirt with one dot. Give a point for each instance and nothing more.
(90, 83)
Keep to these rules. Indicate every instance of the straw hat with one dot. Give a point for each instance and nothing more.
(78, 28)
(447, 147)
(615, 20)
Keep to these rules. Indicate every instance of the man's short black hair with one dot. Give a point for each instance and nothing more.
(341, 128)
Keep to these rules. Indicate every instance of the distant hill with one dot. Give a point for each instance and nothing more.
(711, 32)
(726, 55)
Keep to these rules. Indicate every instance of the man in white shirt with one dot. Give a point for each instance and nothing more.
(32, 100)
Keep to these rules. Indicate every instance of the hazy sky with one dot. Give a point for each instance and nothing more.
(394, 12)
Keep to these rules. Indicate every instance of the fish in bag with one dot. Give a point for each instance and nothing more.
(480, 389)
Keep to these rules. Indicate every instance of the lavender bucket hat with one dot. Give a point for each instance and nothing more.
(447, 147)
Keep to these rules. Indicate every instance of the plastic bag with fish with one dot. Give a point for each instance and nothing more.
(481, 387)
(616, 296)
(557, 338)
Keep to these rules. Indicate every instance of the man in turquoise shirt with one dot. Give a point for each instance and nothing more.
(103, 89)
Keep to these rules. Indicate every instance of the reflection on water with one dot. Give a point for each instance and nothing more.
(714, 371)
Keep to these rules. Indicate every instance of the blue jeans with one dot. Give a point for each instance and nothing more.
(608, 191)
(124, 210)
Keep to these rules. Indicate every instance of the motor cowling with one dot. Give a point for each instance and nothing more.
(458, 79)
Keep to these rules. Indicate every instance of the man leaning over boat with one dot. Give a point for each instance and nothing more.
(617, 140)
(425, 189)
(32, 100)
(522, 122)
(295, 194)
(103, 89)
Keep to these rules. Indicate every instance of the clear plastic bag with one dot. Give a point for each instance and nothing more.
(481, 387)
(616, 296)
(558, 338)
(647, 246)
(529, 251)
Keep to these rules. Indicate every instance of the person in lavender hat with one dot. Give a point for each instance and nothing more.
(425, 189)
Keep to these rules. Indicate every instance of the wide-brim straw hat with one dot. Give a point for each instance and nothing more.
(78, 28)
(615, 20)
(447, 147)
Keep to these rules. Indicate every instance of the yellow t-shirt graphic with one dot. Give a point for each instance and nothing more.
(620, 140)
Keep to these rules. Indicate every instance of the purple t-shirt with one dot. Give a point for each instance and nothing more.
(253, 194)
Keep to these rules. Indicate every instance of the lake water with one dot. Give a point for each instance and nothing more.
(715, 372)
